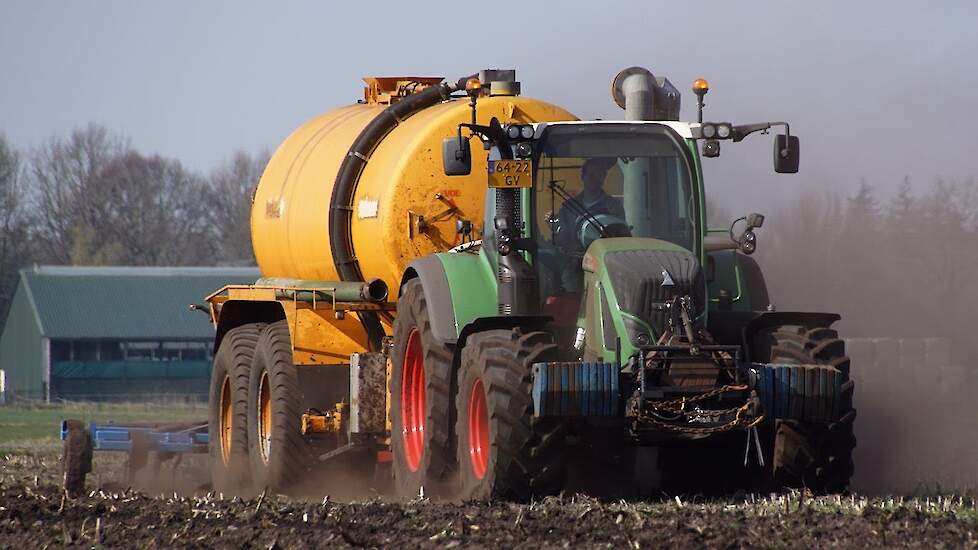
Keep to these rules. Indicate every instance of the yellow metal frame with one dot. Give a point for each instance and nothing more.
(322, 332)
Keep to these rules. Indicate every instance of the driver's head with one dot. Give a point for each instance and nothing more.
(594, 171)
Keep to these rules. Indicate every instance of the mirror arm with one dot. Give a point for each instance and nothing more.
(744, 130)
(461, 144)
(489, 133)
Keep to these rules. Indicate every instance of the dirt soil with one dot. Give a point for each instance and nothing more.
(35, 513)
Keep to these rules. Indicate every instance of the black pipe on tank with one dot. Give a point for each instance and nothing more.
(341, 201)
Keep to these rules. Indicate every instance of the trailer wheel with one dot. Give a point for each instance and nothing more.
(278, 452)
(76, 457)
(228, 403)
(420, 400)
(806, 454)
(503, 452)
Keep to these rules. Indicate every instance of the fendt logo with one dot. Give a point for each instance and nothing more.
(667, 279)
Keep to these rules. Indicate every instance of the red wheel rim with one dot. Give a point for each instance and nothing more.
(478, 430)
(413, 400)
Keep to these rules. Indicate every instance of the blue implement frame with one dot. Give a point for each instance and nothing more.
(190, 438)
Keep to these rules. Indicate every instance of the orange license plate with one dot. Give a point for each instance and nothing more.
(510, 174)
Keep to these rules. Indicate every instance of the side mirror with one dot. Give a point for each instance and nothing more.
(786, 154)
(755, 220)
(456, 156)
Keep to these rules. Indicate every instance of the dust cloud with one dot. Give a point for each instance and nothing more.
(901, 270)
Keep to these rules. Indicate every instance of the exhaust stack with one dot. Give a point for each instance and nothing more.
(645, 97)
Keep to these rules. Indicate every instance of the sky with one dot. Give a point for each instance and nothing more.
(876, 90)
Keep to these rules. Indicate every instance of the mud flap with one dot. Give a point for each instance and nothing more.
(77, 456)
(793, 454)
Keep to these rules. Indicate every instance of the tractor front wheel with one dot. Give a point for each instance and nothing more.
(503, 452)
(806, 454)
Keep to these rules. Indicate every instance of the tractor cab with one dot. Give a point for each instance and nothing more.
(608, 180)
(596, 225)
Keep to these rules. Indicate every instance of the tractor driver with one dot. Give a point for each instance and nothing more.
(592, 197)
(597, 202)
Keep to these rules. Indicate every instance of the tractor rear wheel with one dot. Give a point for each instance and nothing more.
(420, 391)
(806, 454)
(228, 419)
(278, 452)
(502, 451)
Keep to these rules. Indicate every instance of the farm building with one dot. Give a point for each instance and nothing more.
(111, 333)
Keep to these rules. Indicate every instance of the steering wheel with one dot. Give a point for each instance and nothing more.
(587, 231)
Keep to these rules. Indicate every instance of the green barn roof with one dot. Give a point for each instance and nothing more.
(126, 302)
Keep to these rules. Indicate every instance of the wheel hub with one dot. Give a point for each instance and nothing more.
(264, 418)
(478, 430)
(226, 420)
(413, 400)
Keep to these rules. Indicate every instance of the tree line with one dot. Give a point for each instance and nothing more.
(901, 266)
(90, 198)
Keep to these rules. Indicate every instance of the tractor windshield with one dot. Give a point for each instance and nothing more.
(611, 180)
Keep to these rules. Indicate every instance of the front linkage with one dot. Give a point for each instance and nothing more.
(686, 387)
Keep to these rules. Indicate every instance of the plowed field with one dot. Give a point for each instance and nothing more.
(34, 513)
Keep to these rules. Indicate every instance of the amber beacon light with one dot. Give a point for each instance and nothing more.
(700, 88)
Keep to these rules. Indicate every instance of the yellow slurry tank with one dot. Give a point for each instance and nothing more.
(329, 209)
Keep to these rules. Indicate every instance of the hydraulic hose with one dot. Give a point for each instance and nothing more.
(341, 201)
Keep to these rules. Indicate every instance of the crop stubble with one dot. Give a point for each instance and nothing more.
(33, 510)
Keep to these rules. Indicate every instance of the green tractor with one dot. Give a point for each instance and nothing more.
(598, 317)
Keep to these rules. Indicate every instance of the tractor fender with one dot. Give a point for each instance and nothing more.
(235, 313)
(810, 320)
(740, 327)
(530, 322)
(434, 281)
(459, 288)
(769, 319)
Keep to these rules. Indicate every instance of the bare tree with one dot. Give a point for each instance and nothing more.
(61, 173)
(14, 234)
(232, 188)
(149, 211)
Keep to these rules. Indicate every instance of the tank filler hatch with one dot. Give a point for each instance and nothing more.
(384, 90)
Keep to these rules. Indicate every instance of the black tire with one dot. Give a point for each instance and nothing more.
(523, 458)
(425, 460)
(278, 452)
(76, 457)
(229, 396)
(806, 454)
